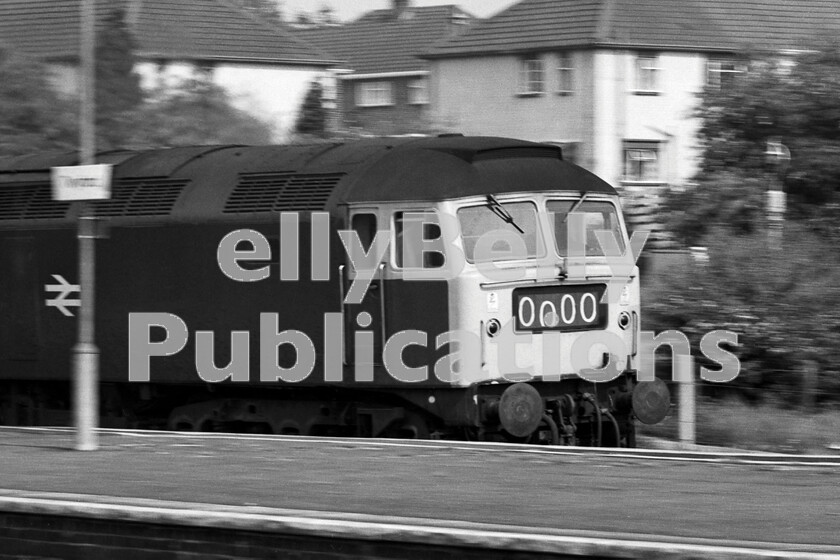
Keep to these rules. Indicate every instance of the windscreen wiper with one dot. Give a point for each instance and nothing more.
(496, 207)
(574, 207)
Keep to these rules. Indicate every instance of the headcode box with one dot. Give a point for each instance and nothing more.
(82, 182)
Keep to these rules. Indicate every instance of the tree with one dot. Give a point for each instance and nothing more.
(33, 117)
(117, 85)
(791, 100)
(312, 119)
(323, 17)
(196, 112)
(266, 10)
(780, 294)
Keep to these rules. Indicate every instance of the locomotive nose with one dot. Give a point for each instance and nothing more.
(521, 409)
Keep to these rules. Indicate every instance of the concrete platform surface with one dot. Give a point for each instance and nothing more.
(694, 498)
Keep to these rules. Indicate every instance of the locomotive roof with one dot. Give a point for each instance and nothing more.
(213, 181)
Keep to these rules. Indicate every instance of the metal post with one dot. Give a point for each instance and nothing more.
(85, 352)
(778, 156)
(687, 411)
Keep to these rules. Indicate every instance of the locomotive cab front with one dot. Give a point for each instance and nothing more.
(553, 296)
(526, 293)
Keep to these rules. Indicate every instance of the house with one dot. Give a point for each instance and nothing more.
(615, 82)
(383, 86)
(264, 68)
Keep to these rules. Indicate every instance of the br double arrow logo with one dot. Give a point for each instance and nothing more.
(64, 289)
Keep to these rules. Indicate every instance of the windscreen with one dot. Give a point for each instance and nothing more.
(478, 221)
(598, 215)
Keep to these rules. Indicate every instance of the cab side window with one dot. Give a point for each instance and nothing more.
(408, 254)
(365, 227)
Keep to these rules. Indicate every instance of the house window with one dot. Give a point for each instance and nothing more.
(641, 162)
(647, 74)
(374, 94)
(565, 74)
(721, 74)
(531, 75)
(418, 91)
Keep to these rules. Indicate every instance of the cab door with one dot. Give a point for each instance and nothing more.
(363, 322)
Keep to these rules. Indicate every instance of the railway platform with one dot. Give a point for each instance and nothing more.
(193, 495)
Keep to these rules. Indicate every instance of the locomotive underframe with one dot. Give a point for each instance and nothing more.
(574, 411)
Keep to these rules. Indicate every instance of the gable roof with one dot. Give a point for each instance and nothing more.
(703, 25)
(381, 42)
(206, 30)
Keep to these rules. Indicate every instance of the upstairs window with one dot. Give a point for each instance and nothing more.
(647, 74)
(418, 91)
(721, 74)
(641, 162)
(374, 94)
(531, 75)
(565, 74)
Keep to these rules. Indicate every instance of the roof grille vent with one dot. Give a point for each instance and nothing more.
(278, 192)
(22, 201)
(148, 196)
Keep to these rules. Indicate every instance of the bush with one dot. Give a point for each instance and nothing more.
(734, 199)
(734, 423)
(32, 116)
(784, 304)
(193, 113)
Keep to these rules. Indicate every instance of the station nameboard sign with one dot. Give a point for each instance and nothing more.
(82, 182)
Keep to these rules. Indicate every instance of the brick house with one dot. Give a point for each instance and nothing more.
(382, 86)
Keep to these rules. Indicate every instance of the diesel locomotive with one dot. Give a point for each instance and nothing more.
(448, 287)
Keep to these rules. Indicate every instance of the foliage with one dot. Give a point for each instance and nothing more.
(196, 112)
(117, 85)
(726, 198)
(312, 119)
(764, 427)
(790, 100)
(323, 17)
(266, 10)
(783, 302)
(32, 116)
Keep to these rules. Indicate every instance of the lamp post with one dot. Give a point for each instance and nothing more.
(778, 156)
(85, 352)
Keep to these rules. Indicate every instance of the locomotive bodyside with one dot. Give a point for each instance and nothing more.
(162, 264)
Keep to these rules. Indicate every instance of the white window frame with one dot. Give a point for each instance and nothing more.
(642, 162)
(418, 91)
(646, 76)
(565, 73)
(531, 75)
(375, 94)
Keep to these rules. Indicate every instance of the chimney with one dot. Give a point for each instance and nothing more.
(401, 8)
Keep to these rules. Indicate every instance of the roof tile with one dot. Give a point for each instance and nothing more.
(379, 41)
(195, 30)
(728, 25)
